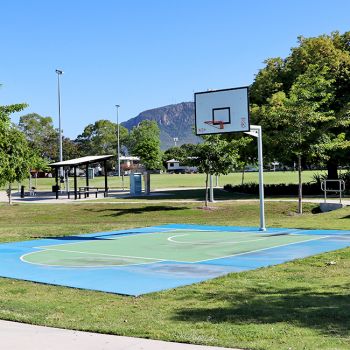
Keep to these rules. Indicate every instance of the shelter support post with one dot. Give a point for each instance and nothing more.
(75, 183)
(87, 177)
(56, 178)
(106, 181)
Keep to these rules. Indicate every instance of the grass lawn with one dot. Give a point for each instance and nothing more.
(159, 181)
(302, 304)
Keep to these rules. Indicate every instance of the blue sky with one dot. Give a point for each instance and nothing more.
(144, 54)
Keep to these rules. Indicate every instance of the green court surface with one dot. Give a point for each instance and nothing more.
(181, 245)
(149, 259)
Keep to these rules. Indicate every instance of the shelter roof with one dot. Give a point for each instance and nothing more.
(81, 161)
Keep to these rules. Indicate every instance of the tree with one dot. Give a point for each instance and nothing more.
(101, 138)
(247, 150)
(43, 140)
(145, 143)
(175, 152)
(296, 124)
(180, 153)
(15, 154)
(328, 56)
(71, 149)
(41, 135)
(215, 156)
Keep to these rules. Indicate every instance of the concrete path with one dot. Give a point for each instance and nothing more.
(119, 197)
(19, 336)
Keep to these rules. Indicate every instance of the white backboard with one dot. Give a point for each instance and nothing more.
(222, 111)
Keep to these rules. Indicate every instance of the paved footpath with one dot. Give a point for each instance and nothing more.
(19, 336)
(119, 198)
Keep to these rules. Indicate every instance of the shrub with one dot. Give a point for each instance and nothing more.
(346, 178)
(318, 178)
(309, 188)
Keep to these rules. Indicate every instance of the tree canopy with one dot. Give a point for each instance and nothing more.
(41, 135)
(101, 138)
(43, 139)
(216, 156)
(145, 143)
(313, 82)
(15, 154)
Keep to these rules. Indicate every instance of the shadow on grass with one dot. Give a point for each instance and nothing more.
(316, 210)
(194, 194)
(73, 238)
(137, 210)
(326, 312)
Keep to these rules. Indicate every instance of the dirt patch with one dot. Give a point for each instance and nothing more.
(207, 208)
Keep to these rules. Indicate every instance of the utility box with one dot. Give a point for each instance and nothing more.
(91, 173)
(135, 184)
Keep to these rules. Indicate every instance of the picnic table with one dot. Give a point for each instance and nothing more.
(87, 190)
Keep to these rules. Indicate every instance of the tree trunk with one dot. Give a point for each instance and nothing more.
(332, 169)
(9, 190)
(243, 172)
(147, 181)
(206, 190)
(211, 189)
(300, 190)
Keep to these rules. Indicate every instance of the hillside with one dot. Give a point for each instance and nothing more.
(174, 121)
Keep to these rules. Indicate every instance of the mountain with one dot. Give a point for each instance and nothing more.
(174, 121)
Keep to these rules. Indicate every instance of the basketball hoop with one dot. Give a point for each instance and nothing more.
(222, 111)
(219, 124)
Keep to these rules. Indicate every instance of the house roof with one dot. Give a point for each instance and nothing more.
(129, 158)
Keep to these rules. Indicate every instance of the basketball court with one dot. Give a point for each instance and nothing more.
(151, 259)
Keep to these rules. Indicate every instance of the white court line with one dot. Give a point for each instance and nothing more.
(157, 259)
(145, 234)
(91, 253)
(22, 258)
(104, 239)
(170, 239)
(87, 266)
(292, 231)
(262, 249)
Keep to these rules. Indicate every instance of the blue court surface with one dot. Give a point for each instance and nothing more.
(145, 260)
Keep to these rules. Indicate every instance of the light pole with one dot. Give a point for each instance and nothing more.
(59, 72)
(118, 143)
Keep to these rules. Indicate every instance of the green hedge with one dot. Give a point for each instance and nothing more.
(309, 188)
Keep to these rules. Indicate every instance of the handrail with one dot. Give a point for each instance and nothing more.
(341, 188)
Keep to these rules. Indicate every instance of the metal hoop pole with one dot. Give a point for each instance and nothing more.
(257, 132)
